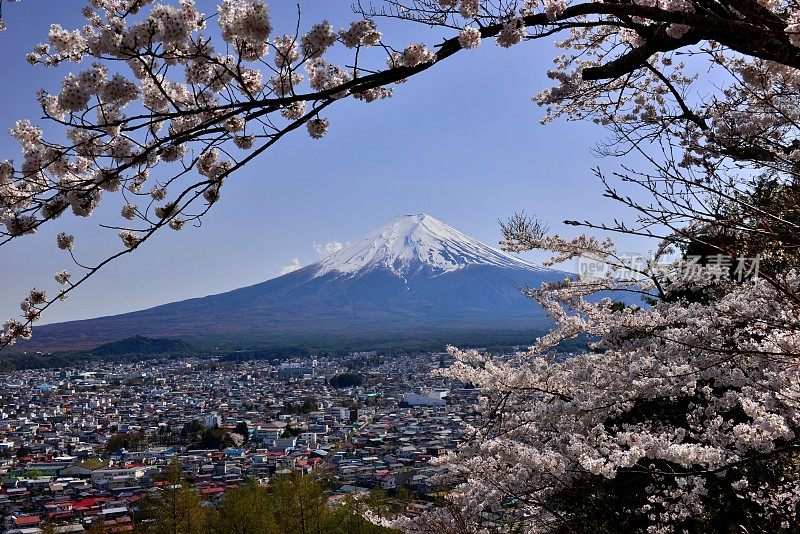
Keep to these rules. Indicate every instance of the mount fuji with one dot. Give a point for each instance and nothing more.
(414, 279)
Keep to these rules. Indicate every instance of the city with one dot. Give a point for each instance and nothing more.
(85, 445)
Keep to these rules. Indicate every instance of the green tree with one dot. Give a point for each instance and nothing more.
(126, 440)
(93, 463)
(246, 510)
(214, 438)
(192, 427)
(346, 380)
(299, 505)
(177, 509)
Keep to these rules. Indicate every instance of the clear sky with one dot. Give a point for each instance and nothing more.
(461, 142)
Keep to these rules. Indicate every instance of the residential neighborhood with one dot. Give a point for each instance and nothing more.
(82, 447)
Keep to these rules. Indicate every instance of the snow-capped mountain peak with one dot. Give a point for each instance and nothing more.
(413, 243)
(412, 280)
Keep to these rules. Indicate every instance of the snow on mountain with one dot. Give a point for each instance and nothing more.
(413, 243)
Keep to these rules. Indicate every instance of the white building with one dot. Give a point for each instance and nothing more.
(211, 420)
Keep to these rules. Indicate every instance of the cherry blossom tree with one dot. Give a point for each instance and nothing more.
(683, 416)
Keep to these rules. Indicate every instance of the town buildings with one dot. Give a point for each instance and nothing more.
(86, 444)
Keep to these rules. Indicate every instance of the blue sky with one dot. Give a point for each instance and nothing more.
(461, 142)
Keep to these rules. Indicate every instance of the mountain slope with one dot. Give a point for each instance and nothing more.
(413, 278)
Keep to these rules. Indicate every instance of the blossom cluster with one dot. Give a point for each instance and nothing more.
(245, 24)
(468, 9)
(555, 422)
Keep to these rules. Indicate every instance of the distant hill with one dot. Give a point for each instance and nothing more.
(141, 345)
(134, 348)
(413, 280)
